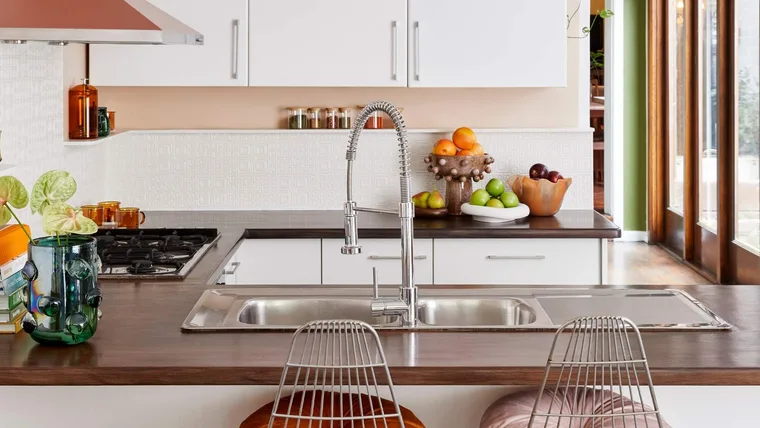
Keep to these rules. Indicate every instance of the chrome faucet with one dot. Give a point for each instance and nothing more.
(406, 304)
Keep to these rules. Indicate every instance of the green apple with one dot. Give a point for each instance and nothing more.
(509, 199)
(420, 200)
(495, 187)
(436, 201)
(479, 197)
(495, 203)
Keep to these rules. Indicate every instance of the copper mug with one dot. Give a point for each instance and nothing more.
(109, 211)
(129, 218)
(94, 213)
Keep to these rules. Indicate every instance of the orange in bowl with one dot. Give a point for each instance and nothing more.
(465, 153)
(477, 150)
(464, 138)
(444, 147)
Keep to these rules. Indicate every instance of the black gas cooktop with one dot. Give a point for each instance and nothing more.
(151, 253)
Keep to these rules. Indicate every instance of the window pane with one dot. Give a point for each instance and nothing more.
(748, 124)
(708, 83)
(677, 85)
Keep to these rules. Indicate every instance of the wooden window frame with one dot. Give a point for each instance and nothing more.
(716, 257)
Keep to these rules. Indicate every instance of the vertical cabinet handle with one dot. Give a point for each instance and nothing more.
(234, 266)
(394, 50)
(417, 50)
(235, 47)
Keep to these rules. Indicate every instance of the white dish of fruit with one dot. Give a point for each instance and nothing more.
(494, 204)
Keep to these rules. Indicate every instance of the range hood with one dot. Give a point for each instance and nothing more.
(92, 21)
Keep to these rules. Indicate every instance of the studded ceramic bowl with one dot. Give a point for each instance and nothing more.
(62, 296)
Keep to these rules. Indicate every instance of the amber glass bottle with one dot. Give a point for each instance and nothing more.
(83, 111)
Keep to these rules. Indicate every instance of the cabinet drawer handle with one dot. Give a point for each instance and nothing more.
(234, 268)
(516, 257)
(394, 49)
(235, 47)
(417, 50)
(421, 257)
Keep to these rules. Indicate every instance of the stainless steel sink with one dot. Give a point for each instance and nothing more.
(475, 312)
(472, 308)
(299, 311)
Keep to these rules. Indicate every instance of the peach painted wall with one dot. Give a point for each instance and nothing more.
(264, 108)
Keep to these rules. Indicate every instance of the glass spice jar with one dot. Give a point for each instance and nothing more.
(297, 118)
(331, 118)
(344, 118)
(375, 120)
(315, 118)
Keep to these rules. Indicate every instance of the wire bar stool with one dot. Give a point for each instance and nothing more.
(601, 361)
(334, 363)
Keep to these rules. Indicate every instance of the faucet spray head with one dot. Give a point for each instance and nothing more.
(351, 246)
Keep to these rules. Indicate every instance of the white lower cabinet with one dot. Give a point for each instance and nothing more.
(449, 406)
(384, 254)
(518, 261)
(275, 262)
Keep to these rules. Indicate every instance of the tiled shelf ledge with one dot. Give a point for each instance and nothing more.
(6, 166)
(334, 131)
(95, 142)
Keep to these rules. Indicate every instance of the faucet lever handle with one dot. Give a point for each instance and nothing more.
(375, 286)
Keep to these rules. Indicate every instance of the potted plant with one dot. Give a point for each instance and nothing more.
(62, 296)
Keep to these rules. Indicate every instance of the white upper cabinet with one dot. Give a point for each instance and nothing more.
(487, 43)
(221, 61)
(328, 43)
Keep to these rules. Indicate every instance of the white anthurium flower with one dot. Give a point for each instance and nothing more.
(52, 187)
(12, 193)
(60, 218)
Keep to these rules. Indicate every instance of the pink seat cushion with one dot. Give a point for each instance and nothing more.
(514, 410)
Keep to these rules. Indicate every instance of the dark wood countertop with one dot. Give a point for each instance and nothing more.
(139, 341)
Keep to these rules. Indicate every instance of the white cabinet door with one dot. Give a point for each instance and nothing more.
(487, 43)
(518, 261)
(384, 254)
(276, 262)
(328, 43)
(221, 61)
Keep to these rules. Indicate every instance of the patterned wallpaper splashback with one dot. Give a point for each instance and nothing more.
(31, 118)
(271, 170)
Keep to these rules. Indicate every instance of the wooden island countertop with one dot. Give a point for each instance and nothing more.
(139, 341)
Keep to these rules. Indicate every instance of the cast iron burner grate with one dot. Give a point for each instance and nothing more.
(155, 253)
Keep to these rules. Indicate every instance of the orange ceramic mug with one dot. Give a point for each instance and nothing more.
(109, 211)
(94, 213)
(129, 218)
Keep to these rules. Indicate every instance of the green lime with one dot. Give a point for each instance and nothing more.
(509, 199)
(495, 187)
(495, 203)
(479, 197)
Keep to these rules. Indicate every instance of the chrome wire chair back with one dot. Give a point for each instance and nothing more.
(605, 361)
(331, 363)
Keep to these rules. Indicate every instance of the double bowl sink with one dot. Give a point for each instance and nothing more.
(470, 308)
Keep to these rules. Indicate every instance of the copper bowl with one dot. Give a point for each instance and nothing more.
(543, 197)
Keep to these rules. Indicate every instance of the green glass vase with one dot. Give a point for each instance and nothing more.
(62, 296)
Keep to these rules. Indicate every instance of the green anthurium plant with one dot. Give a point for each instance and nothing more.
(48, 198)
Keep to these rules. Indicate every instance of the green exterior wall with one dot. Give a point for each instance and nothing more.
(635, 126)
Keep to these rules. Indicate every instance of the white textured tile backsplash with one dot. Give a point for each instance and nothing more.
(273, 170)
(31, 118)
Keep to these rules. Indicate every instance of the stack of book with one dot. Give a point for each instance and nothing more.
(13, 246)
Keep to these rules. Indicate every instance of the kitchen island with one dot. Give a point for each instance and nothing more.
(139, 343)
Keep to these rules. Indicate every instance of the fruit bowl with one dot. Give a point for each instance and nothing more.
(430, 212)
(459, 168)
(496, 215)
(543, 197)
